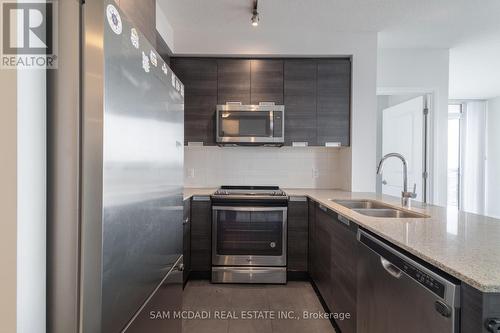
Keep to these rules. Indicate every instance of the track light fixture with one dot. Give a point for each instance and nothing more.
(255, 14)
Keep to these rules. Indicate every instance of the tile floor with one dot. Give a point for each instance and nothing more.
(236, 301)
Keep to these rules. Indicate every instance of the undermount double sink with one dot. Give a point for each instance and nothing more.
(377, 209)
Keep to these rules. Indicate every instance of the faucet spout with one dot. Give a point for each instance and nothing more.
(405, 195)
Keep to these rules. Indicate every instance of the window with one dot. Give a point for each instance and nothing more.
(454, 156)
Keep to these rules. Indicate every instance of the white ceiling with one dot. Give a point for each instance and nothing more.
(457, 24)
(475, 69)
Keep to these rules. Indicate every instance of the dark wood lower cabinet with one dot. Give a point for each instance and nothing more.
(201, 234)
(334, 264)
(186, 230)
(297, 234)
(478, 309)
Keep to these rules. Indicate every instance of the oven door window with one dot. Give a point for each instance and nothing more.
(257, 233)
(245, 124)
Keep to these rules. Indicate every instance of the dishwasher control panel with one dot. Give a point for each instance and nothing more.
(423, 278)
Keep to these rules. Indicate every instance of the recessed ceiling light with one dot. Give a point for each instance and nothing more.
(255, 14)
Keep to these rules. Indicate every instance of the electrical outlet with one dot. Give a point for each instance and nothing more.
(315, 173)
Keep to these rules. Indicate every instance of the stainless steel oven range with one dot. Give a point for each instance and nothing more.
(249, 234)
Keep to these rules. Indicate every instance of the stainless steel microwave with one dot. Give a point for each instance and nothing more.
(239, 124)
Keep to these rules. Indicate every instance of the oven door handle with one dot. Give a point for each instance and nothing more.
(250, 209)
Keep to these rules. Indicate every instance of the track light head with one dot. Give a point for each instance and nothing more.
(255, 14)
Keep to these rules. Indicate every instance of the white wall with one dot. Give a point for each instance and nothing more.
(8, 200)
(31, 200)
(163, 27)
(493, 158)
(363, 49)
(287, 167)
(422, 71)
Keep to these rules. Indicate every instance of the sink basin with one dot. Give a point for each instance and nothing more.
(377, 209)
(389, 213)
(361, 204)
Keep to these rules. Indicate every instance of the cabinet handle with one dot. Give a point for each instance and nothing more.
(201, 198)
(493, 324)
(186, 220)
(323, 208)
(344, 220)
(297, 199)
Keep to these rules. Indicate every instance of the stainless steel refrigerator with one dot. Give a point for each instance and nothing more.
(115, 178)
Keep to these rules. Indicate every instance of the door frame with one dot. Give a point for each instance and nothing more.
(428, 136)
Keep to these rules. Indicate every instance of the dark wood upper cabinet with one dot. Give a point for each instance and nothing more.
(266, 81)
(333, 101)
(233, 81)
(143, 15)
(316, 94)
(199, 76)
(300, 101)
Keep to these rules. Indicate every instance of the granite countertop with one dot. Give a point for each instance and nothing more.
(189, 192)
(467, 246)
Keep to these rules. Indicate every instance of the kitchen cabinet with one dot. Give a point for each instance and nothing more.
(478, 309)
(199, 76)
(312, 250)
(233, 81)
(266, 81)
(201, 236)
(333, 101)
(300, 101)
(334, 264)
(143, 15)
(297, 234)
(250, 81)
(321, 254)
(316, 93)
(186, 237)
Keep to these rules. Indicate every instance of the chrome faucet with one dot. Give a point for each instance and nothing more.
(405, 195)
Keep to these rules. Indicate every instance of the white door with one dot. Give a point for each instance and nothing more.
(403, 132)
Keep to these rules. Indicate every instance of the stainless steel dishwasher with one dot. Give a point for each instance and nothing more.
(397, 294)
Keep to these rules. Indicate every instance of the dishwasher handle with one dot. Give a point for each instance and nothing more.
(390, 268)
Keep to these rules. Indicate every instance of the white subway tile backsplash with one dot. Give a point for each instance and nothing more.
(301, 167)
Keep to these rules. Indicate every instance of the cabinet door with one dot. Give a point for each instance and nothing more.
(201, 238)
(266, 81)
(300, 101)
(233, 81)
(187, 239)
(312, 251)
(334, 101)
(199, 76)
(297, 234)
(323, 241)
(343, 276)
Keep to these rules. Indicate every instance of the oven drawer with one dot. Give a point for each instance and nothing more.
(230, 274)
